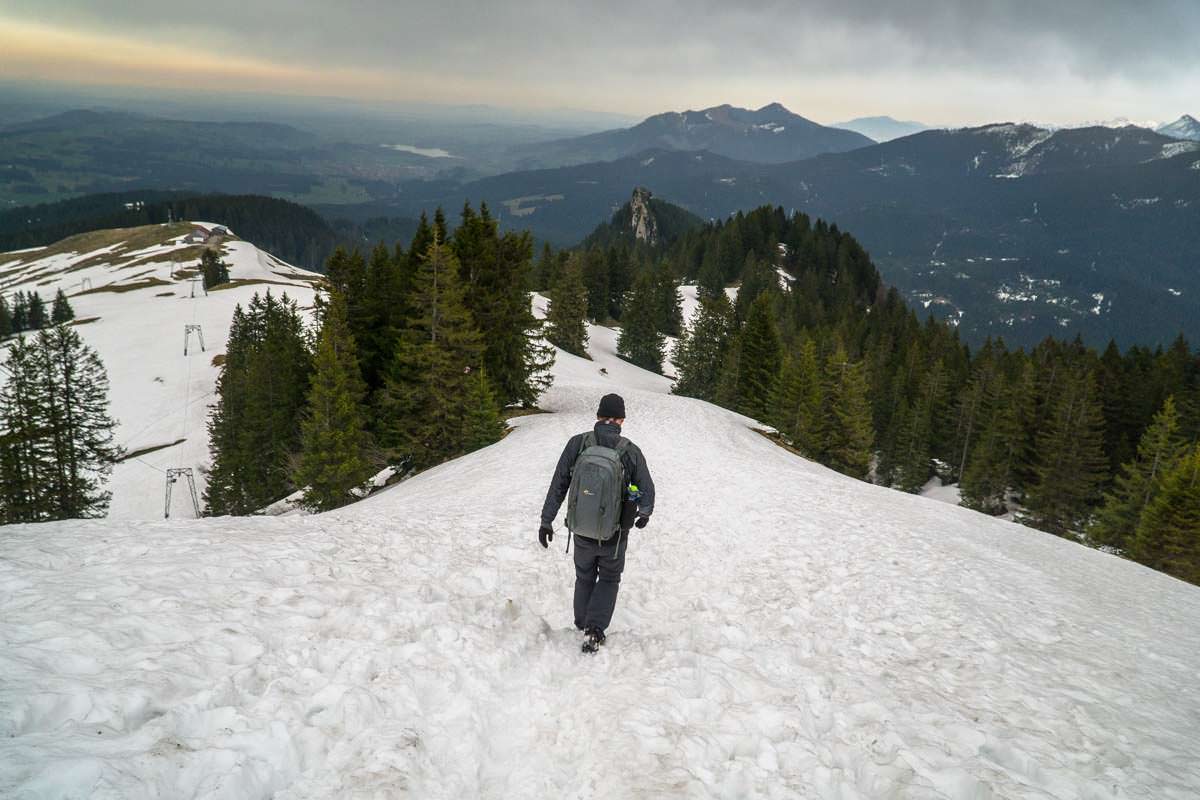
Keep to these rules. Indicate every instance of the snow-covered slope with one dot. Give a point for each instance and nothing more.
(132, 292)
(782, 631)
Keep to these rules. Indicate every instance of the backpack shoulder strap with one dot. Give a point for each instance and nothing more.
(622, 445)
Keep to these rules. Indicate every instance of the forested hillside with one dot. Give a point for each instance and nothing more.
(1067, 439)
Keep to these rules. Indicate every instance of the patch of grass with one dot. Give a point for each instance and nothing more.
(83, 320)
(513, 413)
(234, 284)
(129, 239)
(121, 288)
(165, 294)
(779, 439)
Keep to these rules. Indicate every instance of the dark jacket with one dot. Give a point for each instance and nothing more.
(607, 435)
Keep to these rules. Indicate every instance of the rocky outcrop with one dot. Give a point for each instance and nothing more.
(645, 229)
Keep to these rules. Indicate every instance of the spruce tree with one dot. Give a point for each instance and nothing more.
(335, 450)
(1140, 479)
(640, 341)
(759, 359)
(848, 413)
(700, 353)
(75, 391)
(1071, 465)
(27, 455)
(6, 321)
(261, 390)
(213, 270)
(990, 469)
(806, 424)
(1168, 536)
(595, 278)
(482, 424)
(20, 313)
(758, 277)
(424, 399)
(60, 313)
(667, 303)
(37, 318)
(566, 318)
(913, 465)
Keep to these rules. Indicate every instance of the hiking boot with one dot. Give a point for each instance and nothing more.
(594, 638)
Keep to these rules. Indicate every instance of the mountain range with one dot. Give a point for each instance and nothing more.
(1008, 230)
(768, 135)
(882, 129)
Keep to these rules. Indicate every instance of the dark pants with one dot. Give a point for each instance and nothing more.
(597, 578)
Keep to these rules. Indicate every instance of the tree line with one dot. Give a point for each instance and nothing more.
(416, 353)
(1101, 447)
(28, 312)
(56, 438)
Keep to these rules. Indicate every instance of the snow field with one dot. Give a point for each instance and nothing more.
(156, 393)
(782, 631)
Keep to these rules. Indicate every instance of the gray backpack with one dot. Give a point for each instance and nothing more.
(597, 490)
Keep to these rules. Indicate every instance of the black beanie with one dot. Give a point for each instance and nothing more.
(611, 407)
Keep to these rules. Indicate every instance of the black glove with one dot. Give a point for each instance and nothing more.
(545, 535)
(642, 522)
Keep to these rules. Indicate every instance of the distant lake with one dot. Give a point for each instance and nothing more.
(428, 152)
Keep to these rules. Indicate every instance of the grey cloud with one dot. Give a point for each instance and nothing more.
(601, 47)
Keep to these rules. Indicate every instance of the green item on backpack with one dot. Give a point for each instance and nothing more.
(597, 490)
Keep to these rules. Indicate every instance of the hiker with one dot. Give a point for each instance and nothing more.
(610, 491)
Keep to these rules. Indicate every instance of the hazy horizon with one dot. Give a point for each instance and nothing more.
(940, 63)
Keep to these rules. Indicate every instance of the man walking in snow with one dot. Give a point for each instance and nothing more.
(610, 490)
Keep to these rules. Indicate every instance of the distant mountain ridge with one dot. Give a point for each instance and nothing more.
(1186, 127)
(1008, 229)
(882, 129)
(768, 135)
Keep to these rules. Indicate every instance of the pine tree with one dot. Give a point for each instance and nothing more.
(75, 391)
(667, 303)
(758, 277)
(1071, 465)
(261, 391)
(700, 353)
(566, 319)
(424, 400)
(759, 359)
(640, 341)
(494, 271)
(6, 321)
(990, 470)
(482, 424)
(60, 313)
(595, 278)
(27, 456)
(37, 312)
(545, 274)
(1168, 536)
(213, 270)
(913, 467)
(848, 411)
(1139, 482)
(56, 449)
(20, 313)
(335, 450)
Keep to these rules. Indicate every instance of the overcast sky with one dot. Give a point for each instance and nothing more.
(940, 62)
